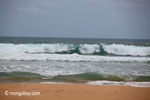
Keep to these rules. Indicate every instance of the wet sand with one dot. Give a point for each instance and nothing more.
(71, 92)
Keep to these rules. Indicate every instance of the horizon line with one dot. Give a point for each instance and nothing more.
(75, 37)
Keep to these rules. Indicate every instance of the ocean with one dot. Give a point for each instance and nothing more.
(74, 60)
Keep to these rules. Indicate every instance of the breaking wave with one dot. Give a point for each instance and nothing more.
(82, 49)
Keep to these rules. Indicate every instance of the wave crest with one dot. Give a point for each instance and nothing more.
(84, 49)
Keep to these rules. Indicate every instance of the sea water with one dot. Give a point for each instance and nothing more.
(78, 60)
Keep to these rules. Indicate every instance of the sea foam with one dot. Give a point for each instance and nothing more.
(82, 49)
(133, 84)
(120, 49)
(71, 57)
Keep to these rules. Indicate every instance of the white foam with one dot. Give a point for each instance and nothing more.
(33, 48)
(120, 49)
(116, 49)
(133, 84)
(54, 83)
(109, 83)
(70, 57)
(89, 49)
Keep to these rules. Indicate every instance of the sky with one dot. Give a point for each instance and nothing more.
(129, 19)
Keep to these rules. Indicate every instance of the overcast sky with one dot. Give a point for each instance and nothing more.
(76, 18)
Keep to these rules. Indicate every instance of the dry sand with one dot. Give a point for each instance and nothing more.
(73, 92)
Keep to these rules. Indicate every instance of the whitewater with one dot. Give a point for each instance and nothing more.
(83, 49)
(72, 52)
(89, 62)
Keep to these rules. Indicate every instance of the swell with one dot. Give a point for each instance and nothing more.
(83, 77)
(82, 49)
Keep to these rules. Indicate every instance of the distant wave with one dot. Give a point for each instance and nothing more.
(82, 49)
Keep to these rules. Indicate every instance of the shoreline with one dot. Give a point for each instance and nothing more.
(73, 92)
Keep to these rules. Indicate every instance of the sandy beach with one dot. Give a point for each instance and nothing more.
(71, 92)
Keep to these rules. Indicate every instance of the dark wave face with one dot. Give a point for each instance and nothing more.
(75, 78)
(77, 41)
